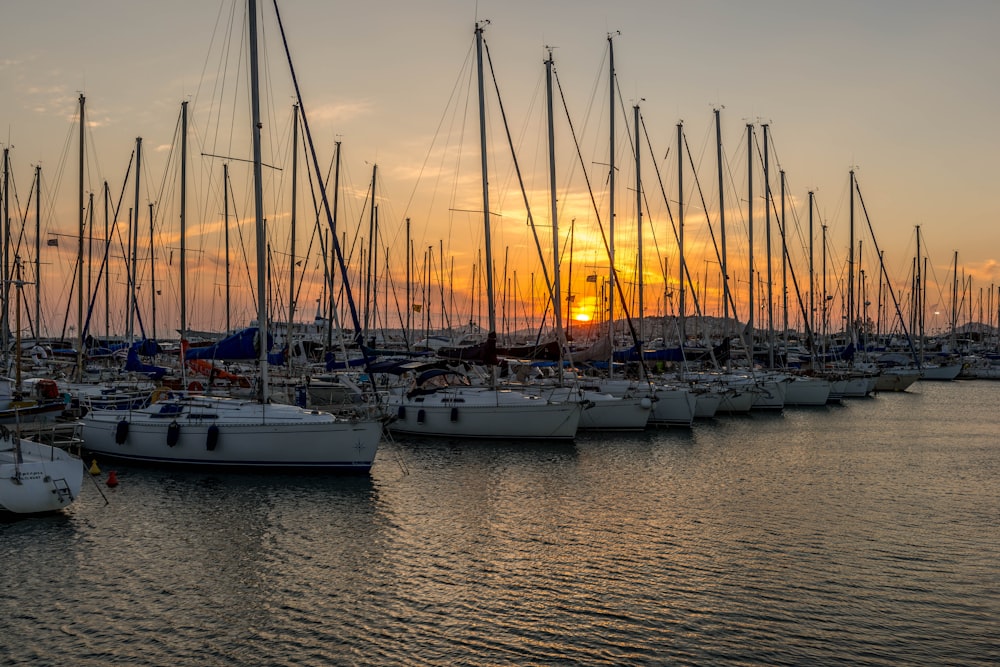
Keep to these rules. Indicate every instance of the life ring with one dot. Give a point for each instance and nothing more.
(196, 386)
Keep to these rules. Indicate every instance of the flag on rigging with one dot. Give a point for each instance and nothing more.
(53, 242)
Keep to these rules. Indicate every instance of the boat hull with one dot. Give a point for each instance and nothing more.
(260, 437)
(38, 479)
(473, 412)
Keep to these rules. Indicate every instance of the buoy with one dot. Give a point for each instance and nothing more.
(454, 414)
(421, 416)
(94, 470)
(112, 479)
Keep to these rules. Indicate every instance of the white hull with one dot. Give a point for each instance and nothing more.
(945, 373)
(482, 412)
(707, 403)
(38, 478)
(771, 395)
(675, 406)
(896, 380)
(604, 412)
(245, 435)
(807, 391)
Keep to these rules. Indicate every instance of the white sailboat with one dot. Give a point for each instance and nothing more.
(485, 411)
(208, 431)
(36, 478)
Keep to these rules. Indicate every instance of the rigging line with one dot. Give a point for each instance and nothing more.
(326, 204)
(899, 313)
(604, 238)
(520, 180)
(107, 248)
(243, 248)
(437, 130)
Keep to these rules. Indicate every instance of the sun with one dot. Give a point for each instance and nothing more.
(582, 317)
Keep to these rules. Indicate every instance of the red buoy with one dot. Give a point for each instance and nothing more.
(112, 479)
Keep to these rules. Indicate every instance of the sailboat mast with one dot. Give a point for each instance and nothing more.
(258, 187)
(682, 334)
(486, 184)
(638, 226)
(556, 290)
(134, 241)
(183, 283)
(291, 258)
(750, 298)
(152, 276)
(722, 226)
(107, 281)
(812, 271)
(850, 264)
(767, 238)
(79, 254)
(225, 226)
(5, 318)
(611, 200)
(38, 252)
(333, 232)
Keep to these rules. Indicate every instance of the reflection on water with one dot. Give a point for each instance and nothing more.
(857, 534)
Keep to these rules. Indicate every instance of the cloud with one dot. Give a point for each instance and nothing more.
(340, 112)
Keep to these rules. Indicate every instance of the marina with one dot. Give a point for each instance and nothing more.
(574, 386)
(861, 533)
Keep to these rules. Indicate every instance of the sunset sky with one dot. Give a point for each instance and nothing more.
(902, 91)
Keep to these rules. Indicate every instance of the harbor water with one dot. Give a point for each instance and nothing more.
(866, 533)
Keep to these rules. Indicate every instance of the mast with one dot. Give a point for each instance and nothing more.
(409, 296)
(722, 227)
(767, 237)
(638, 224)
(682, 333)
(556, 293)
(611, 203)
(784, 264)
(486, 184)
(152, 275)
(134, 240)
(825, 297)
(79, 254)
(812, 272)
(6, 243)
(954, 301)
(38, 252)
(291, 259)
(850, 265)
(751, 303)
(333, 233)
(225, 209)
(107, 281)
(369, 293)
(183, 284)
(258, 188)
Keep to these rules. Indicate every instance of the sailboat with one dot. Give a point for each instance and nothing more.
(35, 478)
(434, 406)
(213, 432)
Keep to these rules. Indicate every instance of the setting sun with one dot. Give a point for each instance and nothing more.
(582, 317)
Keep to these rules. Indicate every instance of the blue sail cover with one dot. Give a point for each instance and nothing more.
(132, 363)
(241, 345)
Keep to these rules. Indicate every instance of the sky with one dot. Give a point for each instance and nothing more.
(903, 92)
